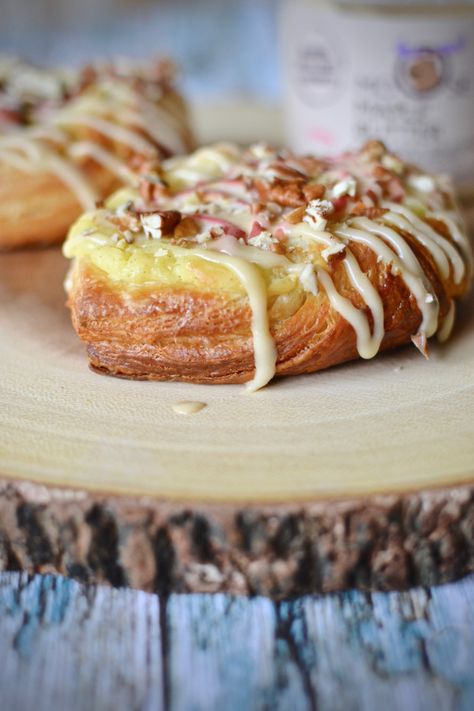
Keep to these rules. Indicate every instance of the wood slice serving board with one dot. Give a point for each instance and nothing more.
(361, 475)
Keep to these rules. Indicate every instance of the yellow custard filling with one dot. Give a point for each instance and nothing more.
(158, 262)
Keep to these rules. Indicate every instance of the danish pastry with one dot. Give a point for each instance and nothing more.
(235, 265)
(67, 140)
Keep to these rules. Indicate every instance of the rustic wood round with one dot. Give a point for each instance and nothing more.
(388, 425)
(360, 475)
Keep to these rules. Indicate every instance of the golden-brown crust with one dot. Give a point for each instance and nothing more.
(37, 209)
(179, 334)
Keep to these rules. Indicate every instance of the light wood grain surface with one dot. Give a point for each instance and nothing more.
(66, 646)
(394, 423)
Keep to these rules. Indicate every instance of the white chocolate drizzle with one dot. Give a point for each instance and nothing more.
(366, 343)
(458, 232)
(447, 325)
(428, 237)
(404, 263)
(105, 158)
(111, 130)
(254, 284)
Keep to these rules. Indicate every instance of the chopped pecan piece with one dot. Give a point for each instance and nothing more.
(186, 228)
(296, 216)
(362, 210)
(373, 150)
(286, 172)
(152, 191)
(314, 191)
(151, 185)
(382, 174)
(311, 166)
(169, 219)
(281, 192)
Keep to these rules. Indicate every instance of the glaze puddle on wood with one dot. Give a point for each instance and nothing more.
(188, 407)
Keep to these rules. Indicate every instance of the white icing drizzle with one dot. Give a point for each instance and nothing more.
(105, 158)
(422, 231)
(163, 124)
(394, 239)
(73, 178)
(254, 283)
(19, 142)
(17, 161)
(234, 248)
(48, 133)
(426, 301)
(437, 253)
(370, 344)
(160, 126)
(111, 130)
(456, 227)
(448, 323)
(366, 344)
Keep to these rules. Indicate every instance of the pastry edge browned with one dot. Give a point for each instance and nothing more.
(123, 339)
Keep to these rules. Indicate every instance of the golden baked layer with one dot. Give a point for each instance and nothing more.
(231, 265)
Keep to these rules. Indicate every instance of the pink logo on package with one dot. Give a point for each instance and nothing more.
(423, 70)
(321, 135)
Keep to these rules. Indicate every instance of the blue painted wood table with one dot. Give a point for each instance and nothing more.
(81, 648)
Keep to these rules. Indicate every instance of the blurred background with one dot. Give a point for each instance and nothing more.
(224, 48)
(319, 75)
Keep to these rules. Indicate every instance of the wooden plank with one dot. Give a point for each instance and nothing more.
(63, 645)
(66, 646)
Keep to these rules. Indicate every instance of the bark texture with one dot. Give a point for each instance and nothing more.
(280, 550)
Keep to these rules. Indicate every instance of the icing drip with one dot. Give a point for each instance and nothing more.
(429, 237)
(72, 177)
(254, 283)
(405, 264)
(457, 230)
(366, 343)
(188, 407)
(447, 326)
